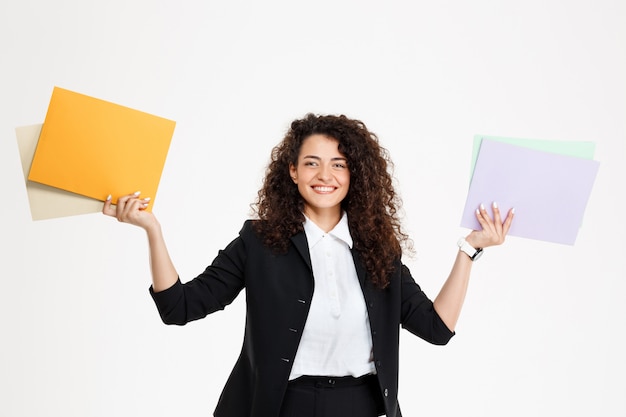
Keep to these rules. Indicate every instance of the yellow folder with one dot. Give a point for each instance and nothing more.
(95, 148)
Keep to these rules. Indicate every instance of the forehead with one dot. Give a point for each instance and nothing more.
(318, 144)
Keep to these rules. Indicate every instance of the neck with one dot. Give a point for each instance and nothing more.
(324, 219)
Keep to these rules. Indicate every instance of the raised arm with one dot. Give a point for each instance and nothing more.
(450, 300)
(132, 209)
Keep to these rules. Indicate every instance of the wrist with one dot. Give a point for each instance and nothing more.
(472, 241)
(153, 228)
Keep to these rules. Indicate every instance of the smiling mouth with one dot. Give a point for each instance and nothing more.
(323, 189)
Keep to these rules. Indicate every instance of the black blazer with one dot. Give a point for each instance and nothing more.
(279, 289)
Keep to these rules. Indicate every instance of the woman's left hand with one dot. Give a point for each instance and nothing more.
(493, 230)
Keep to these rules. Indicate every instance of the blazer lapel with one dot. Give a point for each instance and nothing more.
(301, 244)
(360, 268)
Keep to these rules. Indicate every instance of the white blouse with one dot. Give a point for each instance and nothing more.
(336, 340)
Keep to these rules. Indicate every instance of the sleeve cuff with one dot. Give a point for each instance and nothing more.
(167, 295)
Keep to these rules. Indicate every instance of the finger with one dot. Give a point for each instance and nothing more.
(123, 203)
(507, 222)
(479, 214)
(123, 199)
(483, 218)
(145, 202)
(126, 210)
(108, 208)
(497, 218)
(496, 213)
(129, 211)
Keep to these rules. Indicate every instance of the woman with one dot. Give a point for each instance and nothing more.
(326, 291)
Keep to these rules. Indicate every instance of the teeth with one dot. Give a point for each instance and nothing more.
(324, 189)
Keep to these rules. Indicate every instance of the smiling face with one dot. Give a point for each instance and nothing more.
(323, 178)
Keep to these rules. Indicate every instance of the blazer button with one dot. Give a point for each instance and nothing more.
(386, 392)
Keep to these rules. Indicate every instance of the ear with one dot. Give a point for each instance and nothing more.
(293, 173)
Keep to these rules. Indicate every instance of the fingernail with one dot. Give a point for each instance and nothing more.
(147, 199)
(109, 197)
(145, 204)
(137, 193)
(482, 206)
(477, 211)
(513, 210)
(495, 205)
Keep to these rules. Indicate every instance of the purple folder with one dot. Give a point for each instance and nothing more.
(549, 191)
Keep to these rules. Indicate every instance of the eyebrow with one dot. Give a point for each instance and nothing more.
(338, 158)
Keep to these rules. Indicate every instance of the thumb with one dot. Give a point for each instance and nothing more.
(108, 209)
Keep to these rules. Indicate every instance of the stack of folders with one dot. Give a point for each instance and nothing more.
(88, 148)
(548, 183)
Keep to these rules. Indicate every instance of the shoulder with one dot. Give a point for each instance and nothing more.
(251, 234)
(249, 228)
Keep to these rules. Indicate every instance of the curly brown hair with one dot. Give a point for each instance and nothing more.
(372, 204)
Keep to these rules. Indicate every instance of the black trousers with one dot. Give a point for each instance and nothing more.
(320, 396)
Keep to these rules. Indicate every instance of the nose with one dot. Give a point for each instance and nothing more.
(324, 173)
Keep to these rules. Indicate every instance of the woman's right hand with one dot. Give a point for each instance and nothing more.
(130, 209)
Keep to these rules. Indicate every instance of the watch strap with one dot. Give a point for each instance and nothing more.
(472, 252)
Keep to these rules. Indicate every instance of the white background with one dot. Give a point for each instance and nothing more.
(542, 329)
